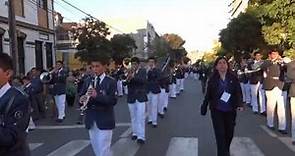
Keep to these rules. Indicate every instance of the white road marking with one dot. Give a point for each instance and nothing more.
(181, 146)
(288, 142)
(127, 133)
(268, 131)
(75, 126)
(243, 146)
(125, 147)
(71, 148)
(33, 146)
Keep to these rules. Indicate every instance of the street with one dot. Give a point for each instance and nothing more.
(183, 132)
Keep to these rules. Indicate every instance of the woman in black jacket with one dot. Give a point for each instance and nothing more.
(224, 97)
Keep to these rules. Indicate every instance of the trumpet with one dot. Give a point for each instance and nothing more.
(84, 104)
(46, 77)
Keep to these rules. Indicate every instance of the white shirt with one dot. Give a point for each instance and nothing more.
(101, 77)
(4, 89)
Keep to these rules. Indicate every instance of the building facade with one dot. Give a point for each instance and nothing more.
(35, 33)
(144, 39)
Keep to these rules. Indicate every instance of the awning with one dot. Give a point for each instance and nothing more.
(2, 31)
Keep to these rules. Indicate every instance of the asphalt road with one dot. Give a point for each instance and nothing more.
(183, 132)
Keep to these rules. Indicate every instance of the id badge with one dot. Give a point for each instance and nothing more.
(225, 96)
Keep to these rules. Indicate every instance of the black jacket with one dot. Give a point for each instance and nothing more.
(137, 87)
(273, 75)
(101, 108)
(13, 127)
(212, 96)
(153, 77)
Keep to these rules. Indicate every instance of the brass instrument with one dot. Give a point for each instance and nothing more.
(46, 77)
(84, 104)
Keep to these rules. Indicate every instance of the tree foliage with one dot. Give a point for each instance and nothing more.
(122, 46)
(160, 47)
(92, 37)
(242, 35)
(174, 40)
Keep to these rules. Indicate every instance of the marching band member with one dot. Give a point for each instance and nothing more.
(243, 79)
(273, 85)
(118, 76)
(182, 77)
(257, 93)
(163, 97)
(153, 89)
(178, 75)
(291, 76)
(14, 113)
(172, 84)
(136, 99)
(59, 89)
(99, 101)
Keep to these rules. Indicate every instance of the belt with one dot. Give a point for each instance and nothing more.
(275, 78)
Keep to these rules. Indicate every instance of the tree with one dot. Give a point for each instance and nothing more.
(122, 46)
(242, 35)
(278, 22)
(160, 47)
(91, 35)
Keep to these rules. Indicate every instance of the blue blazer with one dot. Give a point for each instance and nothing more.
(101, 108)
(137, 87)
(37, 85)
(14, 125)
(153, 85)
(59, 83)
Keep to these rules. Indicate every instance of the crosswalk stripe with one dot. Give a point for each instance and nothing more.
(127, 133)
(71, 148)
(75, 126)
(180, 146)
(244, 146)
(268, 131)
(33, 146)
(125, 147)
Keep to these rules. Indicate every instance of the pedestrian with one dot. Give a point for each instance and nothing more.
(100, 100)
(59, 90)
(273, 84)
(153, 90)
(291, 76)
(136, 99)
(224, 97)
(71, 89)
(14, 113)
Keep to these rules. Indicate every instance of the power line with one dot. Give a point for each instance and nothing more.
(90, 15)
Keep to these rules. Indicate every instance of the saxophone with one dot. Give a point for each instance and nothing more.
(84, 104)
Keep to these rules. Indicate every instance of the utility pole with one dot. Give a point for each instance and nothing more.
(12, 35)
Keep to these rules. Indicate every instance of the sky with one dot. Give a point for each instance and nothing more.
(198, 22)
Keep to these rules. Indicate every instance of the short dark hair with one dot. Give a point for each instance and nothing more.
(59, 61)
(135, 59)
(257, 52)
(6, 62)
(152, 58)
(102, 60)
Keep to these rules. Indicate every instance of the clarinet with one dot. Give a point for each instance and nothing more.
(84, 105)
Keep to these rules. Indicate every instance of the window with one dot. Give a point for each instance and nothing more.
(21, 55)
(39, 54)
(49, 57)
(19, 8)
(42, 4)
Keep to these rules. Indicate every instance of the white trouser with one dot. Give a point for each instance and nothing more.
(178, 83)
(243, 91)
(262, 101)
(137, 115)
(126, 90)
(292, 103)
(60, 101)
(195, 76)
(185, 75)
(162, 100)
(275, 98)
(254, 96)
(172, 90)
(248, 93)
(182, 84)
(100, 141)
(120, 88)
(153, 100)
(31, 125)
(166, 100)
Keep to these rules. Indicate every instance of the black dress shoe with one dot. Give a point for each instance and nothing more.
(271, 128)
(293, 143)
(59, 120)
(134, 137)
(140, 141)
(165, 109)
(283, 132)
(150, 122)
(161, 115)
(263, 114)
(155, 126)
